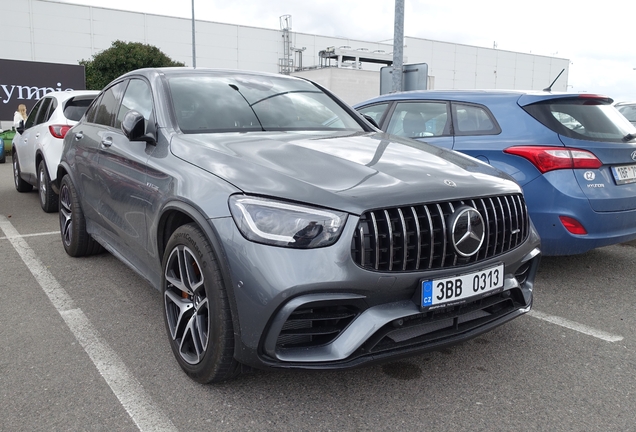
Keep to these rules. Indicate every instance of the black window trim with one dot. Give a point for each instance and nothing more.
(383, 119)
(449, 112)
(455, 131)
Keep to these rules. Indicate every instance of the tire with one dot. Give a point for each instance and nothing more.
(196, 308)
(48, 198)
(20, 185)
(76, 241)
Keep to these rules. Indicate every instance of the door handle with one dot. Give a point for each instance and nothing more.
(79, 136)
(37, 135)
(107, 142)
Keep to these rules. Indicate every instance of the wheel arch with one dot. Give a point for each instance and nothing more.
(176, 214)
(62, 170)
(39, 157)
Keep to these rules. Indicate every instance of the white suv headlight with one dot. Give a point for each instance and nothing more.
(282, 224)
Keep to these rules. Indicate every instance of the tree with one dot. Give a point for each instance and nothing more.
(120, 58)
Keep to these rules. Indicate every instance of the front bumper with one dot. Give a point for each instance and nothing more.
(318, 309)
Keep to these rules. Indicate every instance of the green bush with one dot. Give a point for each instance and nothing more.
(120, 58)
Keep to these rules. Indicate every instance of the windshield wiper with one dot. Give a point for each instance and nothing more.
(235, 87)
(629, 137)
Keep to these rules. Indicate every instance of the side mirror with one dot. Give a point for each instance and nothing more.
(20, 128)
(134, 127)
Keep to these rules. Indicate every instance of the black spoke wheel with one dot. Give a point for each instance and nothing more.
(196, 308)
(48, 199)
(20, 184)
(76, 241)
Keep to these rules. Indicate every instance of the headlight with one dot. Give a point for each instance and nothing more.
(282, 224)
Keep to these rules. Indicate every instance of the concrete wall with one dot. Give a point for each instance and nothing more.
(350, 85)
(457, 66)
(49, 31)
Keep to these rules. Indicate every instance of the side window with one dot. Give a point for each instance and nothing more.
(52, 108)
(109, 104)
(92, 110)
(374, 111)
(30, 121)
(474, 120)
(419, 119)
(137, 97)
(43, 112)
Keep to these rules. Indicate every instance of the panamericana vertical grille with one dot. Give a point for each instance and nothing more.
(416, 237)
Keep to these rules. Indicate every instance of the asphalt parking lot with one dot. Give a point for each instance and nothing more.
(83, 347)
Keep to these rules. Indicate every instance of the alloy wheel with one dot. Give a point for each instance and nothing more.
(42, 185)
(187, 306)
(66, 215)
(16, 171)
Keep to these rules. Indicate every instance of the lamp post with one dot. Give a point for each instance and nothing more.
(194, 49)
(398, 45)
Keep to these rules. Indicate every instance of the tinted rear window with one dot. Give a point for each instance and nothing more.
(582, 118)
(75, 108)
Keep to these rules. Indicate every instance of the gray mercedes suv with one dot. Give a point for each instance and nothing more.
(283, 230)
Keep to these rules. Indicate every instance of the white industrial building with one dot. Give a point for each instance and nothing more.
(50, 31)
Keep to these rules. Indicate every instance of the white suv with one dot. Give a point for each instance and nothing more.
(37, 147)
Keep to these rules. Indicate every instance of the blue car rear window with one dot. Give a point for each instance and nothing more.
(582, 118)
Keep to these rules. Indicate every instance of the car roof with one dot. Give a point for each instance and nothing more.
(65, 95)
(172, 71)
(523, 97)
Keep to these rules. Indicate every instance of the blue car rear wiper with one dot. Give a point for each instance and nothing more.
(629, 137)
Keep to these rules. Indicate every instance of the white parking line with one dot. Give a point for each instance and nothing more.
(126, 388)
(35, 235)
(575, 326)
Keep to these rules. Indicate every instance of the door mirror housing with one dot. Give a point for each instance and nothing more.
(134, 127)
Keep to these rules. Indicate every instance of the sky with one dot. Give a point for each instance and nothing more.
(597, 37)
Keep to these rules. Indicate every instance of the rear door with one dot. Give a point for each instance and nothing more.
(87, 137)
(35, 131)
(474, 127)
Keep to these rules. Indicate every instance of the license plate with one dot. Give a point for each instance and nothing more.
(439, 292)
(624, 174)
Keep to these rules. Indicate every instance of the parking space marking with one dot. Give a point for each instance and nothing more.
(581, 328)
(126, 388)
(34, 235)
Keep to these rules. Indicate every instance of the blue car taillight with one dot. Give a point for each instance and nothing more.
(553, 158)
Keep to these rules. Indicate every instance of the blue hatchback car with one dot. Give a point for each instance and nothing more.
(573, 154)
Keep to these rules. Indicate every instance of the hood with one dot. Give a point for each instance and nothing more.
(350, 172)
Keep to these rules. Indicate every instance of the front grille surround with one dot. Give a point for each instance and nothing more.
(412, 238)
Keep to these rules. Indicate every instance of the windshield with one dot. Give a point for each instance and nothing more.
(583, 118)
(243, 103)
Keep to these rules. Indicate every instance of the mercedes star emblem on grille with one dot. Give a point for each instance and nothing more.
(467, 231)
